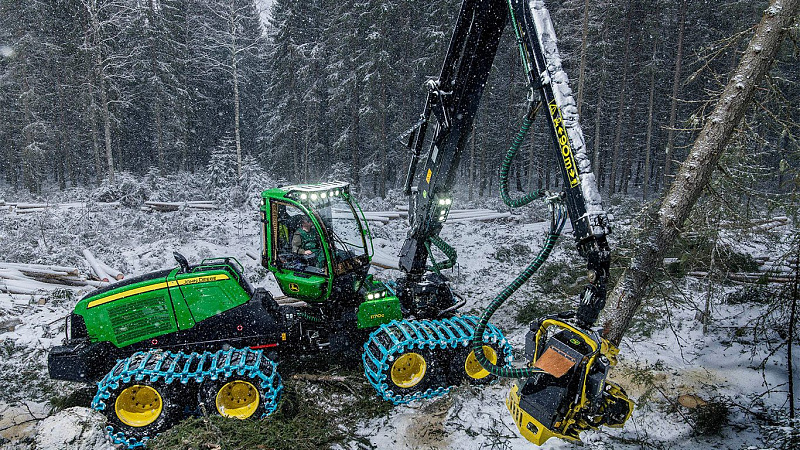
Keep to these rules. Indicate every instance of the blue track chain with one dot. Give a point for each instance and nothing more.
(168, 367)
(398, 336)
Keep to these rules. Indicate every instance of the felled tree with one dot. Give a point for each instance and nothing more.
(695, 172)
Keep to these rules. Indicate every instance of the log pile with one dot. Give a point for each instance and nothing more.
(28, 208)
(102, 271)
(769, 224)
(769, 271)
(203, 205)
(455, 215)
(25, 284)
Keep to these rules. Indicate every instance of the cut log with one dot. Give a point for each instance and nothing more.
(8, 286)
(203, 207)
(9, 325)
(101, 274)
(69, 270)
(743, 277)
(13, 301)
(691, 401)
(31, 205)
(169, 204)
(116, 274)
(201, 202)
(484, 218)
(30, 210)
(385, 260)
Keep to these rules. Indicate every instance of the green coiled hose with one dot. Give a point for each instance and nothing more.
(448, 251)
(558, 219)
(505, 168)
(309, 317)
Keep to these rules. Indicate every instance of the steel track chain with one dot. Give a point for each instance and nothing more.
(179, 367)
(391, 339)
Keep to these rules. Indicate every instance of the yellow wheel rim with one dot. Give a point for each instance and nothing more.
(474, 368)
(408, 370)
(238, 399)
(138, 406)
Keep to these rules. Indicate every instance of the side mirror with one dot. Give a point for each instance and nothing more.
(181, 261)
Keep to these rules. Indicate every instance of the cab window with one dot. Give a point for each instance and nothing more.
(297, 242)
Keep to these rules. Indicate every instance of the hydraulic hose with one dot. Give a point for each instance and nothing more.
(448, 251)
(557, 221)
(309, 317)
(505, 168)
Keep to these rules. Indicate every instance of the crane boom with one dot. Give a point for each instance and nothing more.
(565, 390)
(453, 99)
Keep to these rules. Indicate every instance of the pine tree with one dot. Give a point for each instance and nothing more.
(221, 168)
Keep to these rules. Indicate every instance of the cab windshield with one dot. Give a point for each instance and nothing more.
(341, 223)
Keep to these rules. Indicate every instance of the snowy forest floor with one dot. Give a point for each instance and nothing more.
(738, 365)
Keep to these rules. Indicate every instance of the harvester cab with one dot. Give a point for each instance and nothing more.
(315, 241)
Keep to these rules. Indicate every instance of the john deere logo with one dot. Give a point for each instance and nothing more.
(294, 287)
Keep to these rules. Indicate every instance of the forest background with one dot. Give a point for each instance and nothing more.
(322, 89)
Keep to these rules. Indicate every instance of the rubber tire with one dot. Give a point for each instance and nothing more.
(427, 381)
(456, 374)
(171, 411)
(207, 394)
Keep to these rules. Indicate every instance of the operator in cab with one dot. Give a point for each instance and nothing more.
(305, 241)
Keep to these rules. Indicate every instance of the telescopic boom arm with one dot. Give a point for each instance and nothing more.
(453, 100)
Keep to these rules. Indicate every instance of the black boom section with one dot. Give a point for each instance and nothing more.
(453, 100)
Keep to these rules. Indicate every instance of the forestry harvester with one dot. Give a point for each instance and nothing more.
(199, 336)
(164, 344)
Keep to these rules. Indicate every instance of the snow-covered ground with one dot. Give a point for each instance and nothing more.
(665, 356)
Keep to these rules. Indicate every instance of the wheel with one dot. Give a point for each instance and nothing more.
(410, 372)
(139, 410)
(465, 366)
(236, 396)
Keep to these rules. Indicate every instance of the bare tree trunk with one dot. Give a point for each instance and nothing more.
(100, 79)
(582, 70)
(356, 148)
(676, 84)
(29, 160)
(472, 164)
(384, 141)
(307, 139)
(649, 139)
(598, 115)
(157, 107)
(695, 172)
(612, 177)
(236, 117)
(106, 127)
(98, 164)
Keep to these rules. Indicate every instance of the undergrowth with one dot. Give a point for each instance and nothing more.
(311, 415)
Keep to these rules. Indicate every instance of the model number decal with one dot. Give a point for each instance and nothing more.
(564, 145)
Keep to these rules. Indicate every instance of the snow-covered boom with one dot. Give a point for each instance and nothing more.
(565, 390)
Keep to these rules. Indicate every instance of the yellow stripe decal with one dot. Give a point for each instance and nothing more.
(155, 287)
